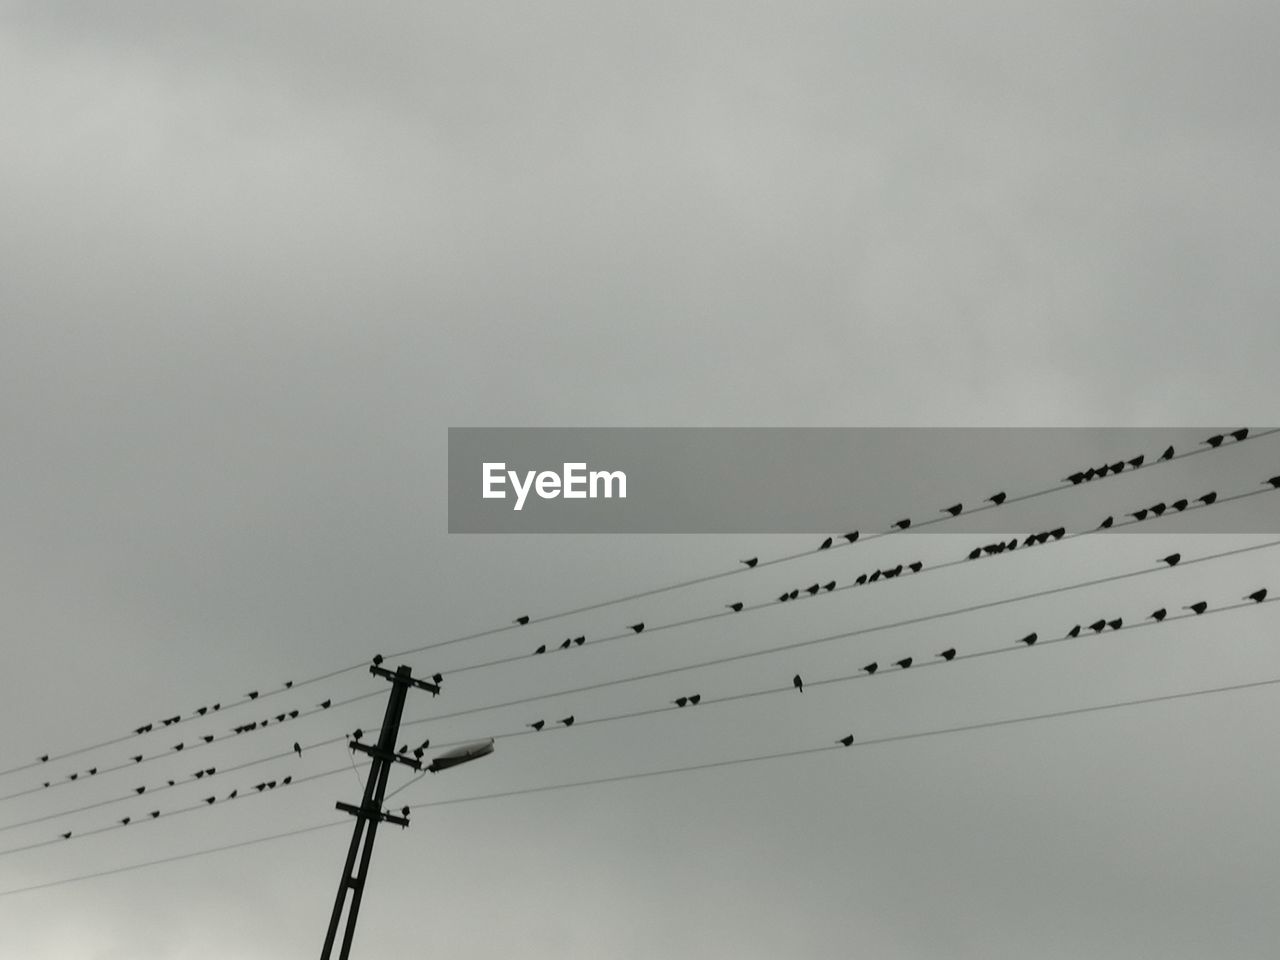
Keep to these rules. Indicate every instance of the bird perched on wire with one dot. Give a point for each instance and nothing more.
(568, 721)
(297, 748)
(1158, 615)
(915, 566)
(846, 741)
(522, 620)
(1098, 626)
(751, 562)
(637, 627)
(904, 662)
(1029, 639)
(797, 683)
(1167, 455)
(1074, 631)
(695, 699)
(903, 523)
(997, 498)
(1172, 559)
(851, 536)
(252, 694)
(1208, 498)
(377, 659)
(541, 649)
(1215, 440)
(735, 607)
(1274, 482)
(825, 545)
(1137, 461)
(567, 643)
(325, 705)
(537, 724)
(829, 586)
(1239, 434)
(1197, 608)
(1106, 524)
(871, 668)
(1116, 624)
(579, 641)
(1257, 596)
(680, 701)
(954, 509)
(948, 654)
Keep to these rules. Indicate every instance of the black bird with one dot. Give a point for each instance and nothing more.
(93, 771)
(1105, 524)
(293, 714)
(1158, 509)
(797, 683)
(217, 706)
(735, 607)
(1257, 596)
(207, 738)
(566, 645)
(211, 770)
(1208, 498)
(233, 794)
(1116, 624)
(357, 734)
(829, 586)
(288, 684)
(137, 758)
(404, 811)
(1075, 478)
(1031, 538)
(793, 594)
(437, 678)
(851, 536)
(975, 553)
(124, 821)
(1274, 481)
(847, 741)
(1058, 533)
(1103, 470)
(537, 724)
(280, 717)
(154, 814)
(1215, 440)
(871, 668)
(568, 721)
(139, 790)
(997, 498)
(875, 575)
(67, 835)
(1136, 462)
(167, 721)
(178, 746)
(1198, 608)
(812, 590)
(377, 659)
(252, 694)
(784, 598)
(297, 748)
(271, 784)
(146, 728)
(1179, 505)
(903, 523)
(904, 662)
(1159, 615)
(916, 567)
(862, 578)
(894, 572)
(954, 509)
(260, 787)
(638, 627)
(825, 545)
(202, 711)
(680, 701)
(948, 654)
(1172, 559)
(418, 752)
(1168, 454)
(1117, 466)
(1029, 639)
(1074, 631)
(522, 620)
(541, 649)
(326, 704)
(199, 774)
(1098, 626)
(752, 562)
(1139, 515)
(45, 758)
(1240, 434)
(695, 698)
(210, 800)
(579, 640)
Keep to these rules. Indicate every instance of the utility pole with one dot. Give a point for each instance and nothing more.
(370, 813)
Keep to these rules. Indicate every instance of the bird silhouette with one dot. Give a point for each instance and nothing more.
(1139, 515)
(1172, 559)
(1102, 471)
(1257, 596)
(357, 734)
(875, 575)
(1058, 533)
(1273, 481)
(1074, 631)
(893, 571)
(541, 649)
(1158, 509)
(280, 717)
(154, 814)
(145, 728)
(680, 701)
(260, 786)
(297, 748)
(93, 771)
(178, 746)
(579, 641)
(793, 594)
(201, 711)
(1208, 498)
(568, 721)
(797, 683)
(1105, 524)
(695, 699)
(137, 758)
(812, 589)
(1158, 615)
(904, 662)
(871, 668)
(851, 536)
(140, 790)
(948, 654)
(523, 620)
(1075, 478)
(1215, 440)
(862, 578)
(1116, 624)
(293, 714)
(1168, 454)
(1031, 538)
(1240, 434)
(199, 774)
(124, 821)
(233, 794)
(565, 646)
(1179, 505)
(1197, 608)
(325, 705)
(537, 724)
(825, 545)
(288, 684)
(1029, 639)
(67, 835)
(638, 627)
(903, 523)
(829, 586)
(750, 563)
(997, 498)
(975, 553)
(377, 659)
(210, 800)
(846, 740)
(735, 607)
(915, 567)
(1136, 462)
(207, 738)
(784, 598)
(1098, 626)
(437, 678)
(252, 694)
(954, 509)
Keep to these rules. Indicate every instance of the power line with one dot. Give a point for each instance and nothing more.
(1066, 485)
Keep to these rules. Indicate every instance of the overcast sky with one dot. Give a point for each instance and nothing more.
(258, 257)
